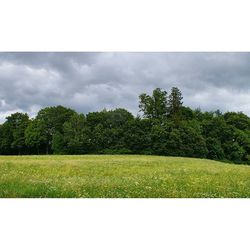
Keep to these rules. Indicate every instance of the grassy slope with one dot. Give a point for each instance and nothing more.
(120, 176)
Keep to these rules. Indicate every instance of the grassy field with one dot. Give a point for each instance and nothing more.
(120, 177)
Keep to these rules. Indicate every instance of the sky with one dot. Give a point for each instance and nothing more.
(90, 81)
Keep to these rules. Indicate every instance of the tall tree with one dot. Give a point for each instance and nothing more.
(6, 139)
(76, 135)
(154, 106)
(175, 103)
(51, 119)
(36, 137)
(17, 123)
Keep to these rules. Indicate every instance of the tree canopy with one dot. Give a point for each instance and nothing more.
(165, 127)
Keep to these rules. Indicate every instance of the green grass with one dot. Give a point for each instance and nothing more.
(120, 177)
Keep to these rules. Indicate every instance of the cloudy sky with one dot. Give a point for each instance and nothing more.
(91, 81)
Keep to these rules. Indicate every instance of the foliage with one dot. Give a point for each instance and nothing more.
(175, 103)
(155, 106)
(13, 134)
(76, 135)
(165, 128)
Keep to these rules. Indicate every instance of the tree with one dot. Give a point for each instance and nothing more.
(234, 152)
(58, 143)
(242, 137)
(6, 139)
(238, 120)
(175, 103)
(51, 120)
(185, 139)
(118, 117)
(108, 130)
(215, 150)
(36, 137)
(76, 135)
(187, 113)
(215, 127)
(159, 136)
(137, 136)
(155, 106)
(98, 139)
(17, 124)
(96, 118)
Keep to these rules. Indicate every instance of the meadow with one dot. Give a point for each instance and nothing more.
(121, 176)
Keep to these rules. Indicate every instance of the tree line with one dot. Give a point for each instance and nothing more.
(166, 127)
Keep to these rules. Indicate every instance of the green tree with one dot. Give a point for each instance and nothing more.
(36, 137)
(238, 120)
(108, 130)
(159, 136)
(118, 117)
(51, 120)
(187, 113)
(242, 137)
(155, 106)
(17, 124)
(98, 139)
(137, 136)
(76, 134)
(175, 103)
(185, 139)
(58, 143)
(215, 150)
(6, 139)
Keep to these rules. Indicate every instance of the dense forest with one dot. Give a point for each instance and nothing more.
(166, 127)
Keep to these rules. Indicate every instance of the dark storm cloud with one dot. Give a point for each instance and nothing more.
(92, 81)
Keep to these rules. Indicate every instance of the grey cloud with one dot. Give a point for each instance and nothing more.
(91, 81)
